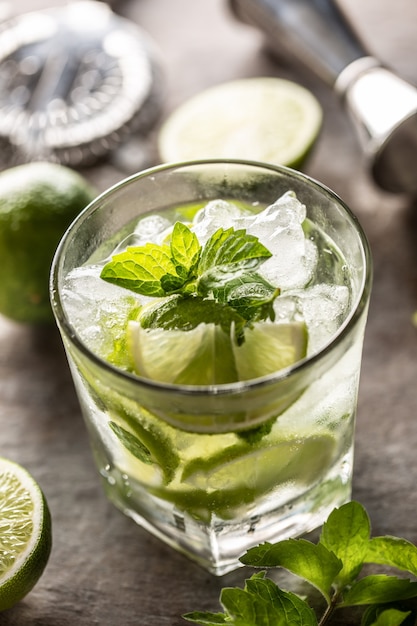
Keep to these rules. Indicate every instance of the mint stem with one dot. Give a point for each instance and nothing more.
(330, 609)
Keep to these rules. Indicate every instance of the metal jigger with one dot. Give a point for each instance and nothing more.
(382, 105)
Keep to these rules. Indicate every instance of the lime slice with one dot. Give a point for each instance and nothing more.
(206, 355)
(236, 476)
(201, 356)
(270, 347)
(25, 533)
(264, 467)
(263, 119)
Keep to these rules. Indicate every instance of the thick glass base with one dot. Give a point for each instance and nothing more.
(217, 544)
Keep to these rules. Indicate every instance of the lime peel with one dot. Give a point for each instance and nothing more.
(25, 533)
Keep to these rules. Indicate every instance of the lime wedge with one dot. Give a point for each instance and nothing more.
(270, 347)
(162, 354)
(25, 533)
(201, 356)
(264, 119)
(235, 477)
(261, 468)
(206, 355)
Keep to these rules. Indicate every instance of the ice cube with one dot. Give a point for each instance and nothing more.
(216, 214)
(93, 305)
(286, 212)
(287, 309)
(150, 229)
(279, 228)
(324, 307)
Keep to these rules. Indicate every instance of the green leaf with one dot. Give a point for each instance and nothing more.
(262, 603)
(147, 270)
(241, 607)
(185, 250)
(346, 533)
(185, 313)
(379, 616)
(314, 563)
(233, 249)
(144, 433)
(132, 443)
(378, 589)
(247, 292)
(394, 552)
(290, 608)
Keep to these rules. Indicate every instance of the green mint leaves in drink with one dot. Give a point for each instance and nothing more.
(334, 566)
(221, 277)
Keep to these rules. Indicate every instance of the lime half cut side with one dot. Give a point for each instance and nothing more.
(263, 119)
(25, 533)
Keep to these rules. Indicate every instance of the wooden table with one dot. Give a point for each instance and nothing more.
(103, 569)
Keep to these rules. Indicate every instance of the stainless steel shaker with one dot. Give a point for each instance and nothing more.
(382, 105)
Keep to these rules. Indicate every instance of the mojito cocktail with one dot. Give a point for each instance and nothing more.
(213, 317)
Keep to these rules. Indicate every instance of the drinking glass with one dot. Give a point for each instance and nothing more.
(195, 465)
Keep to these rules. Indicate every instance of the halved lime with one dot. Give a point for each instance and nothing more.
(207, 355)
(25, 533)
(265, 119)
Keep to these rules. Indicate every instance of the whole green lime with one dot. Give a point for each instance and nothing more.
(38, 201)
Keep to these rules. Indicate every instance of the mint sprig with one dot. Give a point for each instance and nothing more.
(334, 566)
(224, 271)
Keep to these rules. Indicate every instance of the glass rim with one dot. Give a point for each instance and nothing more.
(309, 361)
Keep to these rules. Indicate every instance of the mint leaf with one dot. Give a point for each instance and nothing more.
(346, 533)
(132, 443)
(185, 313)
(185, 250)
(379, 588)
(148, 270)
(255, 434)
(222, 271)
(379, 616)
(394, 552)
(289, 608)
(314, 563)
(248, 293)
(334, 562)
(262, 603)
(232, 249)
(142, 436)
